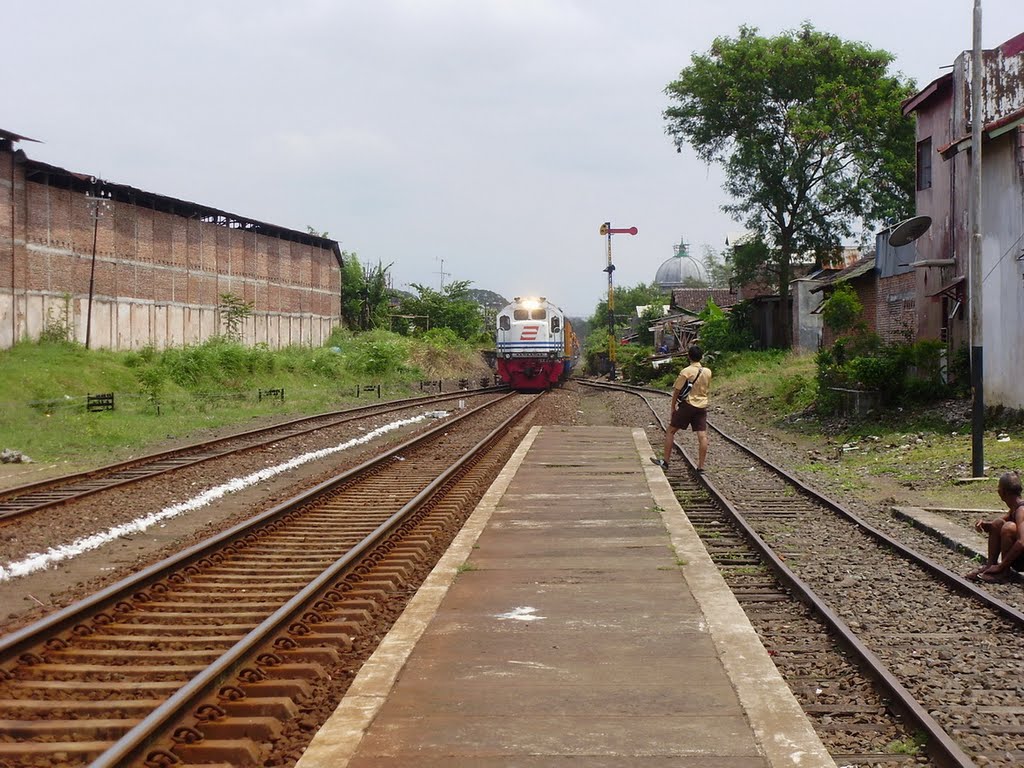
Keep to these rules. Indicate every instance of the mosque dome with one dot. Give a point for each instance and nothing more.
(679, 271)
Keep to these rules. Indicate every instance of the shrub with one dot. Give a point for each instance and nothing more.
(376, 353)
(323, 362)
(666, 375)
(842, 309)
(722, 332)
(960, 370)
(260, 359)
(636, 365)
(441, 338)
(898, 372)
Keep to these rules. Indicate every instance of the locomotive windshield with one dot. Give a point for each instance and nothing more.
(529, 314)
(521, 314)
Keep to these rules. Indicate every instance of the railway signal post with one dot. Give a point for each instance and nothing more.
(608, 231)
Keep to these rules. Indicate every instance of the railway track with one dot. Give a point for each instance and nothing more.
(883, 646)
(224, 653)
(40, 495)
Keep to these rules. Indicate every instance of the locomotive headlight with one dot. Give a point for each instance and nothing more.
(531, 304)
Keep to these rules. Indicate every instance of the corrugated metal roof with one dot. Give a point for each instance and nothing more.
(131, 195)
(10, 136)
(696, 299)
(857, 270)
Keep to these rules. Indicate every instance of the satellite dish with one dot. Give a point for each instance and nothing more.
(908, 231)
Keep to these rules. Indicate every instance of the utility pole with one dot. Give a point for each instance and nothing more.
(977, 358)
(443, 274)
(606, 229)
(97, 202)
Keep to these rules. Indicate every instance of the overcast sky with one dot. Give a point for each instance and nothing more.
(493, 136)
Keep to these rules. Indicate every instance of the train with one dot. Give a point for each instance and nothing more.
(536, 347)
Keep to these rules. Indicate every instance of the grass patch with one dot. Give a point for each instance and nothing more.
(923, 449)
(178, 391)
(784, 382)
(910, 745)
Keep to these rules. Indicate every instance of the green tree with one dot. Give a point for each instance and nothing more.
(626, 302)
(233, 312)
(351, 290)
(810, 132)
(653, 313)
(725, 332)
(451, 307)
(365, 297)
(717, 266)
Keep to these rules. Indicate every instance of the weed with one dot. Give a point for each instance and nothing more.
(58, 329)
(465, 568)
(909, 745)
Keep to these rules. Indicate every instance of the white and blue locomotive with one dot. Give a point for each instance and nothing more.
(536, 346)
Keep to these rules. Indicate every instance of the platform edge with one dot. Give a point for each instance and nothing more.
(780, 725)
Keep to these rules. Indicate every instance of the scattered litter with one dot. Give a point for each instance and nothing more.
(524, 613)
(11, 456)
(532, 664)
(436, 414)
(1003, 439)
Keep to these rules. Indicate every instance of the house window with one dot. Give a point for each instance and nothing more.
(924, 164)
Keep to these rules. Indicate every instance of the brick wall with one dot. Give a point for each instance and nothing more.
(897, 315)
(867, 290)
(151, 258)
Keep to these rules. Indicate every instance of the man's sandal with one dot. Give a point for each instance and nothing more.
(994, 578)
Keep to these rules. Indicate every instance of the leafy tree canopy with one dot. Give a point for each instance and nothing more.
(487, 299)
(451, 307)
(809, 130)
(626, 302)
(364, 294)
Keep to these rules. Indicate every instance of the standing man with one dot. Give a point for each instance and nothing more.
(689, 407)
(1005, 535)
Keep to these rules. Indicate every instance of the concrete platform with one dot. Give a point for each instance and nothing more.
(953, 527)
(576, 620)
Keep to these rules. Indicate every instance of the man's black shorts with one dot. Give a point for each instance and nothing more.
(688, 416)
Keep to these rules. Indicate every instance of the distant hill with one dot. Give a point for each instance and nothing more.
(487, 299)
